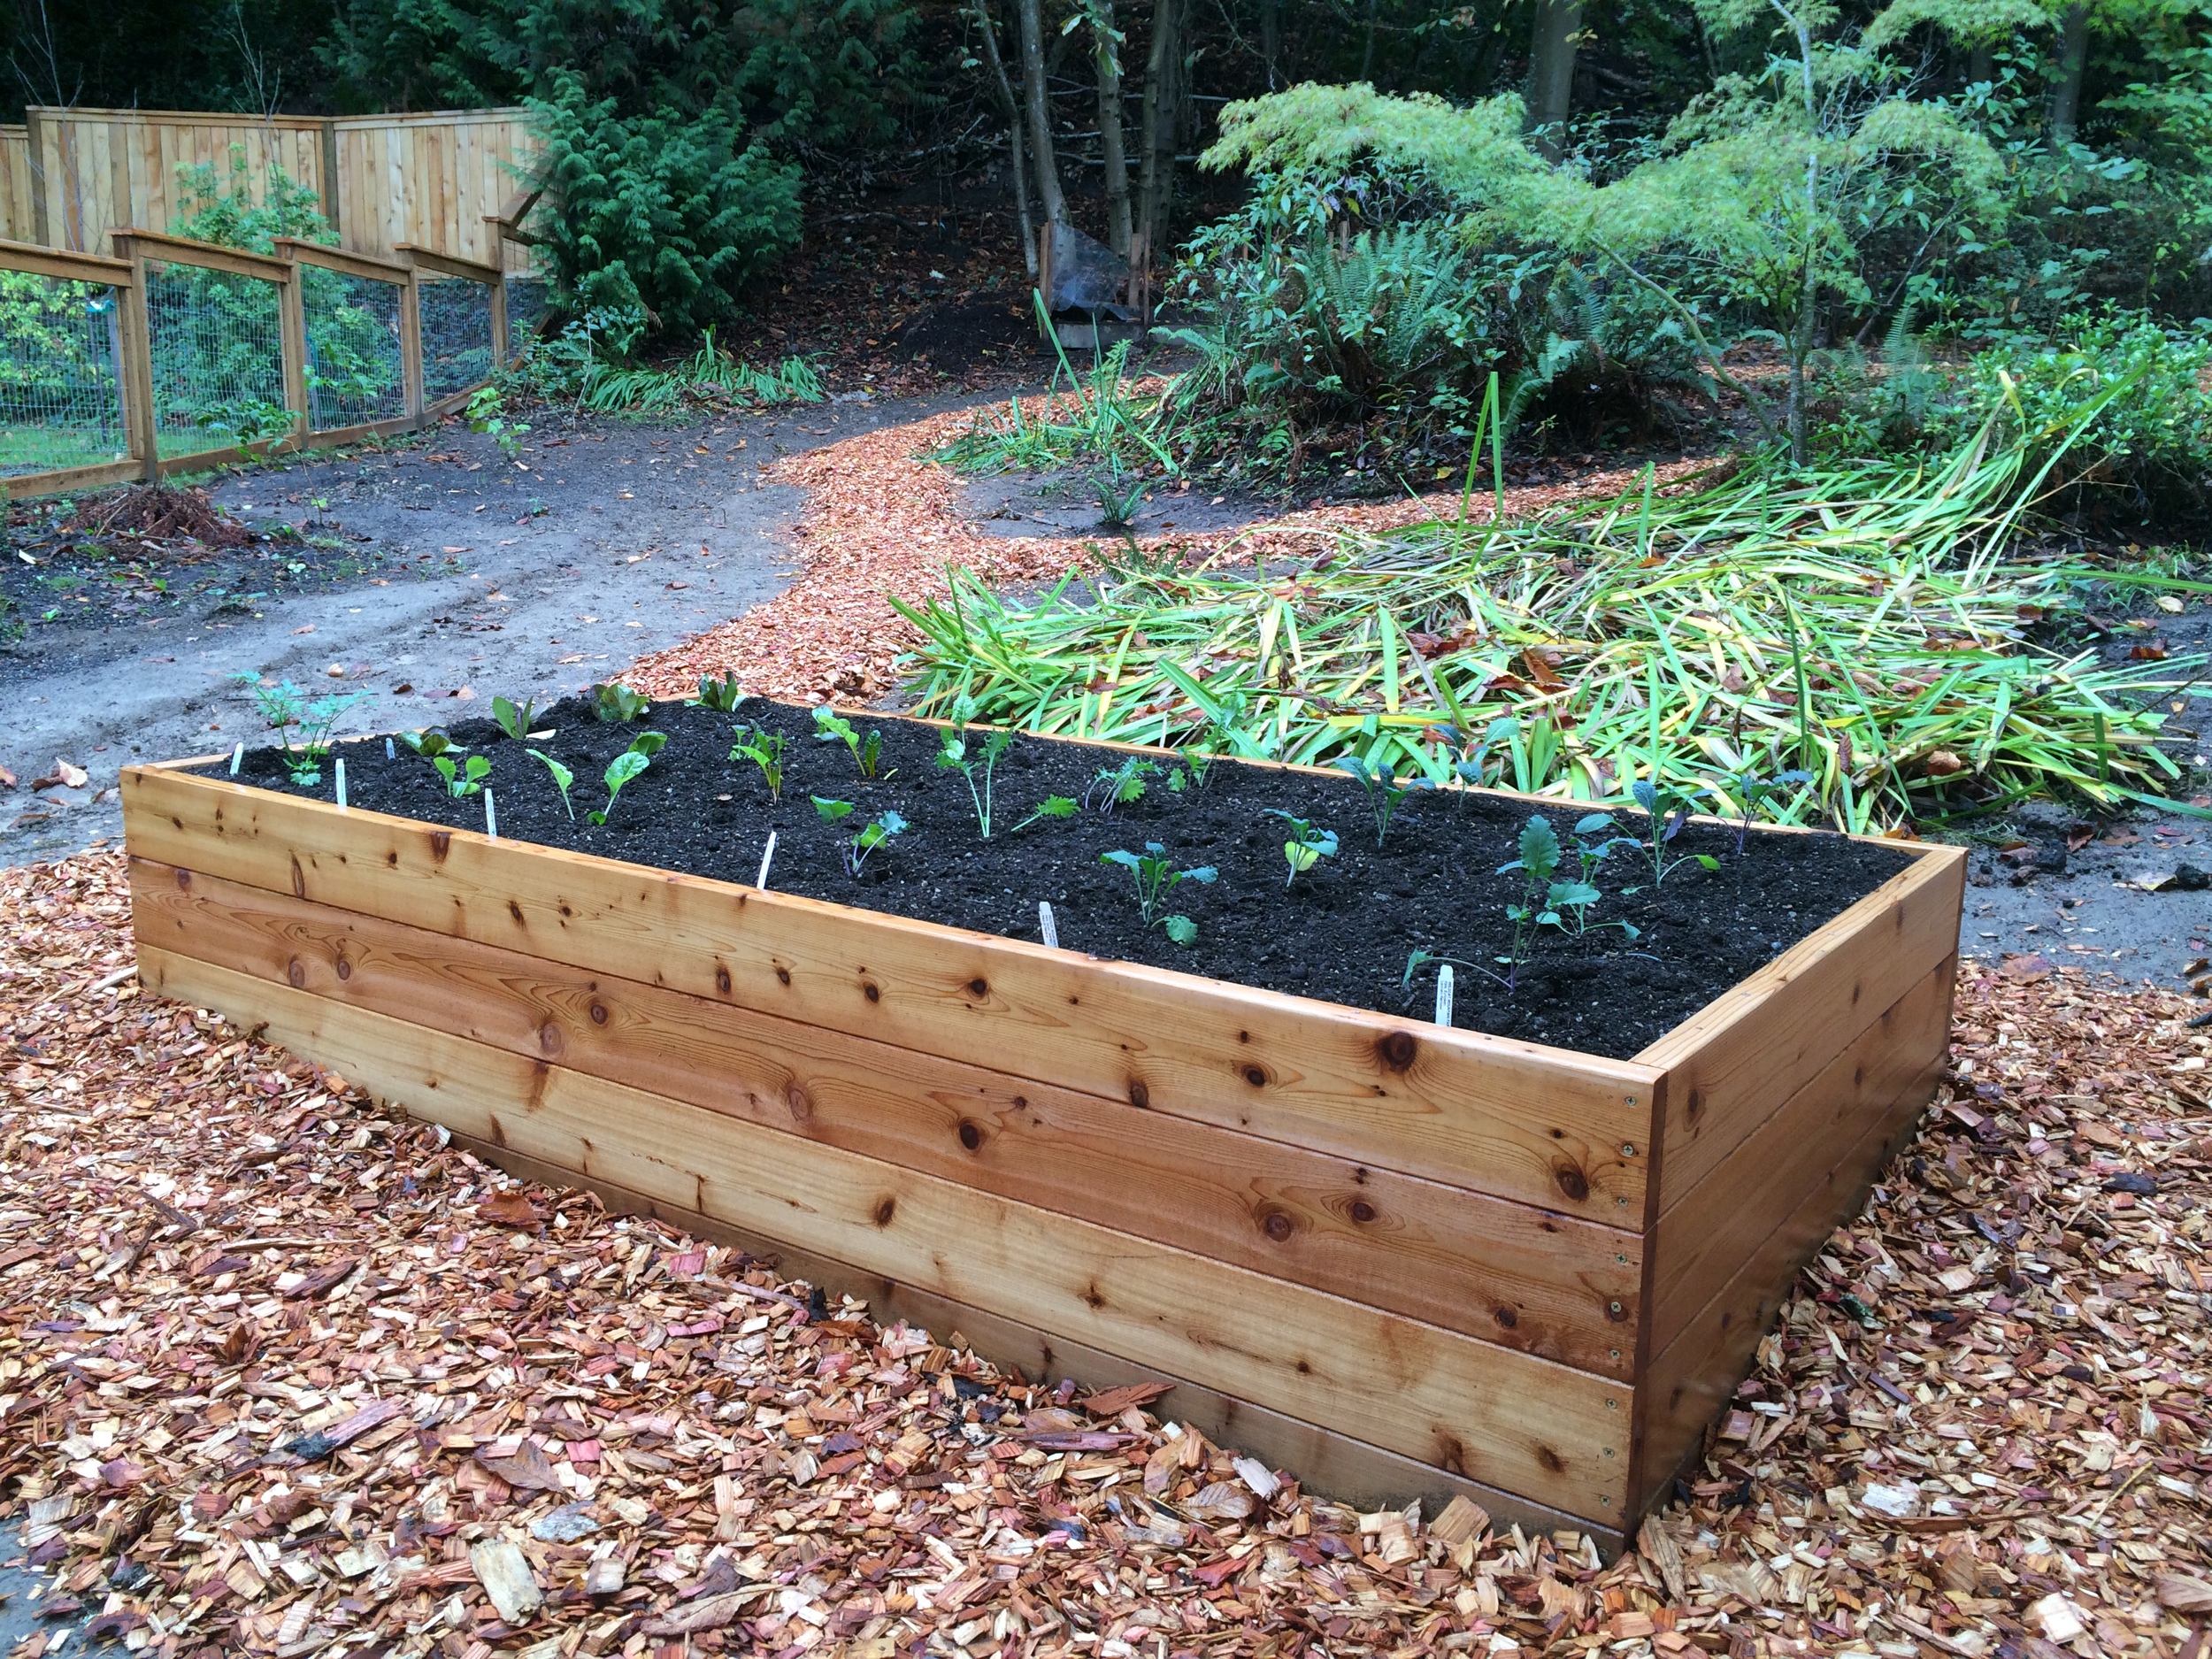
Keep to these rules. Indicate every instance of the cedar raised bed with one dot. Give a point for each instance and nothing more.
(1403, 1260)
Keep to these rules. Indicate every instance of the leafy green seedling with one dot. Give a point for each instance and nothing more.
(1155, 878)
(615, 702)
(466, 778)
(1117, 785)
(722, 695)
(1668, 810)
(561, 778)
(287, 711)
(1538, 862)
(1051, 806)
(1753, 792)
(1574, 896)
(955, 756)
(431, 743)
(831, 727)
(765, 749)
(828, 810)
(513, 721)
(1385, 790)
(1307, 846)
(627, 767)
(871, 836)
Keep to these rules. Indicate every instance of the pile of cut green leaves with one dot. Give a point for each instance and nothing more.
(1880, 629)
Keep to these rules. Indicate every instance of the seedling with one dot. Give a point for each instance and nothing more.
(831, 727)
(615, 702)
(765, 749)
(1668, 810)
(462, 778)
(288, 710)
(1307, 846)
(1117, 785)
(1385, 790)
(431, 743)
(954, 757)
(722, 694)
(562, 778)
(870, 837)
(1155, 878)
(1538, 862)
(829, 811)
(1753, 792)
(626, 768)
(513, 721)
(1051, 806)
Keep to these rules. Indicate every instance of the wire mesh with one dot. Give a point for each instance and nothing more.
(218, 349)
(525, 308)
(61, 379)
(457, 334)
(354, 374)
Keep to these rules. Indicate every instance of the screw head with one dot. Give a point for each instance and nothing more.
(1627, 1150)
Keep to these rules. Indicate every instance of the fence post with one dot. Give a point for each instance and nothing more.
(140, 421)
(410, 342)
(500, 341)
(292, 330)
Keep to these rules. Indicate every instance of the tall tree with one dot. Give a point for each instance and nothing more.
(1107, 42)
(1551, 74)
(2073, 59)
(1016, 161)
(1039, 108)
(1163, 100)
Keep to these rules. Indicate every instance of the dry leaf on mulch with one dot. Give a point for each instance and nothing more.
(281, 1373)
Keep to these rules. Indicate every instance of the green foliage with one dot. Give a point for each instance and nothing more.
(289, 712)
(765, 749)
(615, 702)
(722, 695)
(562, 777)
(1307, 847)
(955, 756)
(867, 751)
(514, 722)
(1156, 876)
(879, 832)
(462, 778)
(627, 767)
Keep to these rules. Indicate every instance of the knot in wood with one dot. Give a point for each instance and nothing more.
(184, 878)
(345, 969)
(1139, 1096)
(1276, 1226)
(971, 1137)
(721, 978)
(1361, 1210)
(296, 973)
(1397, 1049)
(1571, 1181)
(598, 1012)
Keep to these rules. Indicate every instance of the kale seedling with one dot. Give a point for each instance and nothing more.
(462, 778)
(765, 749)
(954, 757)
(722, 695)
(1538, 862)
(1117, 785)
(1384, 790)
(562, 778)
(870, 837)
(1307, 846)
(1155, 878)
(1668, 811)
(828, 810)
(626, 768)
(286, 709)
(513, 721)
(1051, 806)
(830, 727)
(1753, 792)
(615, 702)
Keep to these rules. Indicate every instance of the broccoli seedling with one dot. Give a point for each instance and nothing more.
(626, 768)
(1155, 878)
(513, 721)
(871, 836)
(286, 709)
(562, 778)
(1384, 788)
(1051, 806)
(1538, 862)
(616, 702)
(1668, 810)
(1575, 896)
(954, 757)
(765, 749)
(867, 752)
(722, 695)
(1117, 785)
(461, 778)
(1307, 846)
(828, 810)
(1753, 792)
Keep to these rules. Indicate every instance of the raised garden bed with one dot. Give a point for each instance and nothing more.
(1401, 1258)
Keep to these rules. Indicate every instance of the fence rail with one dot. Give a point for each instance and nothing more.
(160, 358)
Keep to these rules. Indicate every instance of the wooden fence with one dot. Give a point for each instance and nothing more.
(169, 353)
(68, 177)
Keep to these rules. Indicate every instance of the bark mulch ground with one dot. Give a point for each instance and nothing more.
(282, 1373)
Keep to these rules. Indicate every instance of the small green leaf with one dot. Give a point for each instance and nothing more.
(1182, 930)
(829, 810)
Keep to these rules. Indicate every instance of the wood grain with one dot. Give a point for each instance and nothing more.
(1544, 1127)
(1332, 1465)
(1503, 1418)
(1502, 1272)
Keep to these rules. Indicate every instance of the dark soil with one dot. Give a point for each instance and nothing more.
(1342, 932)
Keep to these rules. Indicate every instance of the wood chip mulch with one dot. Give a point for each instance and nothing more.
(282, 1373)
(882, 520)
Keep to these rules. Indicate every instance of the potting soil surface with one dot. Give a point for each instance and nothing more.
(1342, 929)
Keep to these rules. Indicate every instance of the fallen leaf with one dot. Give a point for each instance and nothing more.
(528, 1469)
(510, 1209)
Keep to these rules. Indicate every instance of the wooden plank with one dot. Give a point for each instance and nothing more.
(301, 252)
(1331, 1465)
(1687, 1383)
(183, 251)
(446, 264)
(1501, 1272)
(1730, 1064)
(1780, 1166)
(1545, 1127)
(66, 480)
(1506, 1419)
(67, 267)
(34, 137)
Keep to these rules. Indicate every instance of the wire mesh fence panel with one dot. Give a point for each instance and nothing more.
(354, 373)
(217, 350)
(526, 309)
(61, 399)
(457, 334)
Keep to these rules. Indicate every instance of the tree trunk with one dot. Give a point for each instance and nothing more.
(1163, 95)
(1551, 74)
(1110, 127)
(1048, 197)
(1802, 335)
(1981, 64)
(1367, 52)
(1016, 159)
(2073, 57)
(1271, 38)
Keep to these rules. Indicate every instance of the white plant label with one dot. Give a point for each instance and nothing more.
(1045, 928)
(1444, 994)
(767, 856)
